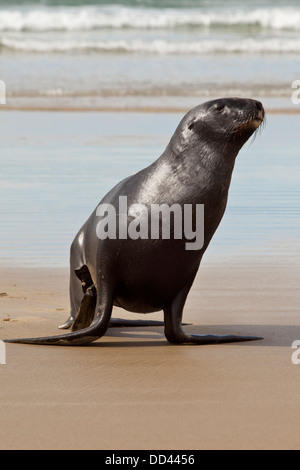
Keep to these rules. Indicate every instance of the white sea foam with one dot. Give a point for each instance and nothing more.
(247, 45)
(99, 17)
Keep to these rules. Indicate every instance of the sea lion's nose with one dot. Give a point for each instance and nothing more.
(260, 110)
(259, 105)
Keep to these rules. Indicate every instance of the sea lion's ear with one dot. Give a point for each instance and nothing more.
(191, 125)
(220, 107)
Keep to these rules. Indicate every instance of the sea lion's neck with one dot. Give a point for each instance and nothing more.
(210, 163)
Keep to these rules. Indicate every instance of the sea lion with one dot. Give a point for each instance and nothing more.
(147, 275)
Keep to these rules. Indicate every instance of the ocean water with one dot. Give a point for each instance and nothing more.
(141, 54)
(131, 53)
(57, 166)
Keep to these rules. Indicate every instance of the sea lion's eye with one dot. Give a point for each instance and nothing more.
(220, 108)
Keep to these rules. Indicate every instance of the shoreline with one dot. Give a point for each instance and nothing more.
(141, 104)
(133, 109)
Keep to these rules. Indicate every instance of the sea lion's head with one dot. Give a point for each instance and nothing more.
(224, 124)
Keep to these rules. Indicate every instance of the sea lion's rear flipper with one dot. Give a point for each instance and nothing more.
(67, 324)
(121, 323)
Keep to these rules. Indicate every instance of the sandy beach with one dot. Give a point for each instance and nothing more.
(133, 390)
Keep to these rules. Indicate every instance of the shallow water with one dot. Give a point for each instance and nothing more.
(56, 167)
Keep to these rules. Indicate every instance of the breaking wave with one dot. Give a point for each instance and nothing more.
(159, 46)
(86, 18)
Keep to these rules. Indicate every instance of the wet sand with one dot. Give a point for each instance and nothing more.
(133, 390)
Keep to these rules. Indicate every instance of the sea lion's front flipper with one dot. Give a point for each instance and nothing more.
(77, 338)
(175, 334)
(85, 277)
(86, 312)
(86, 335)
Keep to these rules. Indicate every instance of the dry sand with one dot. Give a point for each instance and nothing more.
(133, 390)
